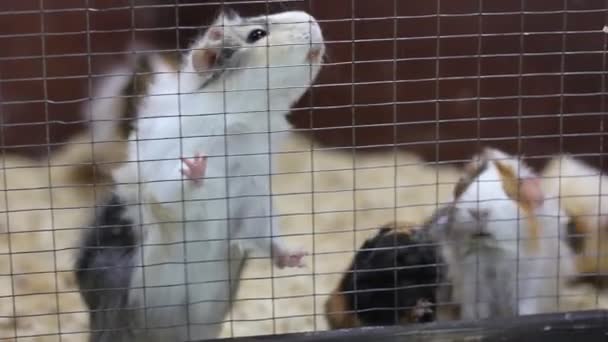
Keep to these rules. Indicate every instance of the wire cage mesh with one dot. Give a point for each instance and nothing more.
(408, 93)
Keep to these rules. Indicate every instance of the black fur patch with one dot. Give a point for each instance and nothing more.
(384, 295)
(575, 240)
(103, 271)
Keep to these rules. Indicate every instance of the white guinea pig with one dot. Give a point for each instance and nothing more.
(503, 241)
(200, 156)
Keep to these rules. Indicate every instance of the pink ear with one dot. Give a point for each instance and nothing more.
(214, 33)
(204, 59)
(530, 191)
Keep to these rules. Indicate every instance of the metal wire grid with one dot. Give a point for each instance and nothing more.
(353, 18)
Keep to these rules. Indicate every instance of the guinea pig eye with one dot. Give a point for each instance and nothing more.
(256, 35)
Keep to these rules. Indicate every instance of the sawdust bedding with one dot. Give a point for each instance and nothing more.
(330, 201)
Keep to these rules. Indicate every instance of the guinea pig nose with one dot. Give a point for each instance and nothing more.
(479, 214)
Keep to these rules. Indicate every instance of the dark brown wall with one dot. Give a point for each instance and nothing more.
(520, 95)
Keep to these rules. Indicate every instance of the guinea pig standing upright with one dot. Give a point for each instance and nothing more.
(503, 241)
(198, 180)
(392, 279)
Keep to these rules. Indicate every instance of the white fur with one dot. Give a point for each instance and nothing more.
(105, 109)
(229, 120)
(498, 275)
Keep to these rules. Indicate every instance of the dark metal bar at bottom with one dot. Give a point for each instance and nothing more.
(574, 326)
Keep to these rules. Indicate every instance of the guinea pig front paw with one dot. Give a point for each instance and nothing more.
(194, 168)
(290, 258)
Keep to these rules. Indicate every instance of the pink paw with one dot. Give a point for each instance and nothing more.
(194, 168)
(290, 258)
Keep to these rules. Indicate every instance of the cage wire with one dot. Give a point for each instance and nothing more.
(407, 94)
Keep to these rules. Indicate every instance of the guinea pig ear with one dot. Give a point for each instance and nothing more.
(522, 190)
(531, 192)
(227, 15)
(491, 153)
(479, 161)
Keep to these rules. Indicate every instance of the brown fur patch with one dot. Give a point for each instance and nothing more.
(512, 186)
(90, 174)
(173, 59)
(338, 313)
(79, 161)
(510, 182)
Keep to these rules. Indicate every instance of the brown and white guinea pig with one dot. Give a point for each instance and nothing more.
(502, 241)
(583, 194)
(392, 280)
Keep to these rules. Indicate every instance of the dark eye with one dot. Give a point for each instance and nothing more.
(256, 35)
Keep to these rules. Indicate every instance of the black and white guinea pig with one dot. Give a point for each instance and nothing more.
(393, 279)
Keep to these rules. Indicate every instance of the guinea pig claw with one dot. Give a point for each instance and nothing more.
(195, 168)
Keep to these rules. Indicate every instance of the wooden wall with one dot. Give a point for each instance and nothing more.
(523, 94)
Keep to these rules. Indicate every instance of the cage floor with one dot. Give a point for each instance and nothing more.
(332, 223)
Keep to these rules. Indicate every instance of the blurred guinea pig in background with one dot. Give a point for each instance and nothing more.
(582, 191)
